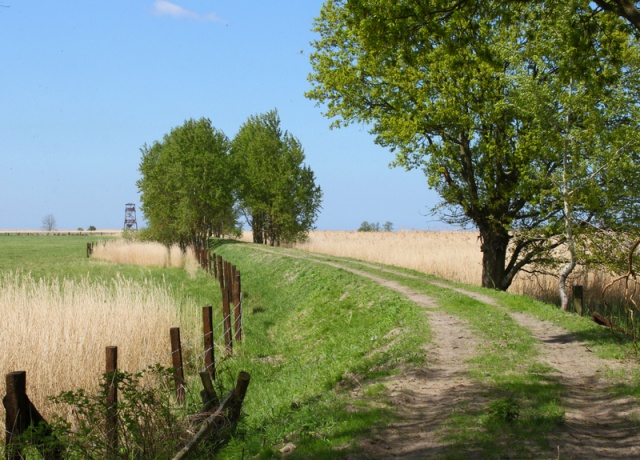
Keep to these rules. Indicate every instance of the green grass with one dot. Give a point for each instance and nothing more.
(320, 341)
(507, 368)
(311, 338)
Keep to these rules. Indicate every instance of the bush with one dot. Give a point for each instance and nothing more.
(91, 228)
(148, 426)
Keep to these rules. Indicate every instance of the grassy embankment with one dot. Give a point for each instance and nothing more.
(514, 382)
(312, 333)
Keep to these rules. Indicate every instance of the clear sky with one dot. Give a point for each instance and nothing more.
(84, 84)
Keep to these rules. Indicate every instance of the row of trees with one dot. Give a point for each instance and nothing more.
(375, 226)
(196, 183)
(523, 115)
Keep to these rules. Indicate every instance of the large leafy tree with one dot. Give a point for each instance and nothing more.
(476, 98)
(187, 184)
(277, 193)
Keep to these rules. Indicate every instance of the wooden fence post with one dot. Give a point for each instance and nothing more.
(220, 272)
(226, 312)
(238, 396)
(209, 356)
(214, 263)
(112, 397)
(17, 411)
(578, 298)
(176, 358)
(237, 307)
(20, 414)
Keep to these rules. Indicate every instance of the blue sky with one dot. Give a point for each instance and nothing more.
(84, 84)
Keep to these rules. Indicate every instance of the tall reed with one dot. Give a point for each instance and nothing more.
(57, 330)
(146, 253)
(453, 255)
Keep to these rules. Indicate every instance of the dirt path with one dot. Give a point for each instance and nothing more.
(424, 399)
(598, 425)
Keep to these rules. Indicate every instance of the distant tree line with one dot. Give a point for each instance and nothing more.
(197, 183)
(375, 226)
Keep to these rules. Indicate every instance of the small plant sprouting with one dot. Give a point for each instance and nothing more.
(504, 410)
(148, 427)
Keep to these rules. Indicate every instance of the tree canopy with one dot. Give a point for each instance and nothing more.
(276, 192)
(499, 103)
(187, 184)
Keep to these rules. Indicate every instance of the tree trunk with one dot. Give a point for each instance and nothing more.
(494, 254)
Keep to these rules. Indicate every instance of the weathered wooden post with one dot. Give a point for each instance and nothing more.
(176, 358)
(578, 299)
(214, 263)
(20, 414)
(226, 312)
(17, 412)
(220, 272)
(237, 307)
(209, 356)
(238, 395)
(112, 397)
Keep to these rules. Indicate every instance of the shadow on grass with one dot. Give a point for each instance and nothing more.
(215, 243)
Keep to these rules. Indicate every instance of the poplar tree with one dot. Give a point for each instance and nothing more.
(187, 185)
(276, 191)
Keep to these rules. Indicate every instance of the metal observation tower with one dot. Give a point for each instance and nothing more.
(130, 221)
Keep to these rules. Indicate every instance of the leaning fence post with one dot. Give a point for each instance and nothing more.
(112, 397)
(17, 411)
(237, 309)
(578, 297)
(209, 357)
(176, 357)
(238, 395)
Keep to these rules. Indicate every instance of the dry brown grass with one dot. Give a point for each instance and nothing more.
(58, 330)
(146, 254)
(453, 255)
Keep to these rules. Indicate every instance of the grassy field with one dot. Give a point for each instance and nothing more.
(319, 343)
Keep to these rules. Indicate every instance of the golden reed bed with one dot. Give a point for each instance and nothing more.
(453, 255)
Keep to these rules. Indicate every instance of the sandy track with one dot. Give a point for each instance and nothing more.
(597, 424)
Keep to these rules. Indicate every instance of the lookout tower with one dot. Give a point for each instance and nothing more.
(130, 216)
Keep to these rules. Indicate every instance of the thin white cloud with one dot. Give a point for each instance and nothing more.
(165, 8)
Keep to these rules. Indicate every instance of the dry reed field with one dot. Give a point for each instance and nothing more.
(146, 254)
(57, 330)
(452, 255)
(447, 254)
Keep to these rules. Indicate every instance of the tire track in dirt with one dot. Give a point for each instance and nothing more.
(422, 399)
(597, 425)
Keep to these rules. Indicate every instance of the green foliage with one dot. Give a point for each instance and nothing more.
(276, 192)
(375, 226)
(369, 227)
(187, 185)
(91, 228)
(505, 410)
(478, 95)
(148, 426)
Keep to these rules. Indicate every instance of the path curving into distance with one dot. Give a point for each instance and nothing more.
(597, 425)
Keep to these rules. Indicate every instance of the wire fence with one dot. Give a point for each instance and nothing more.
(189, 360)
